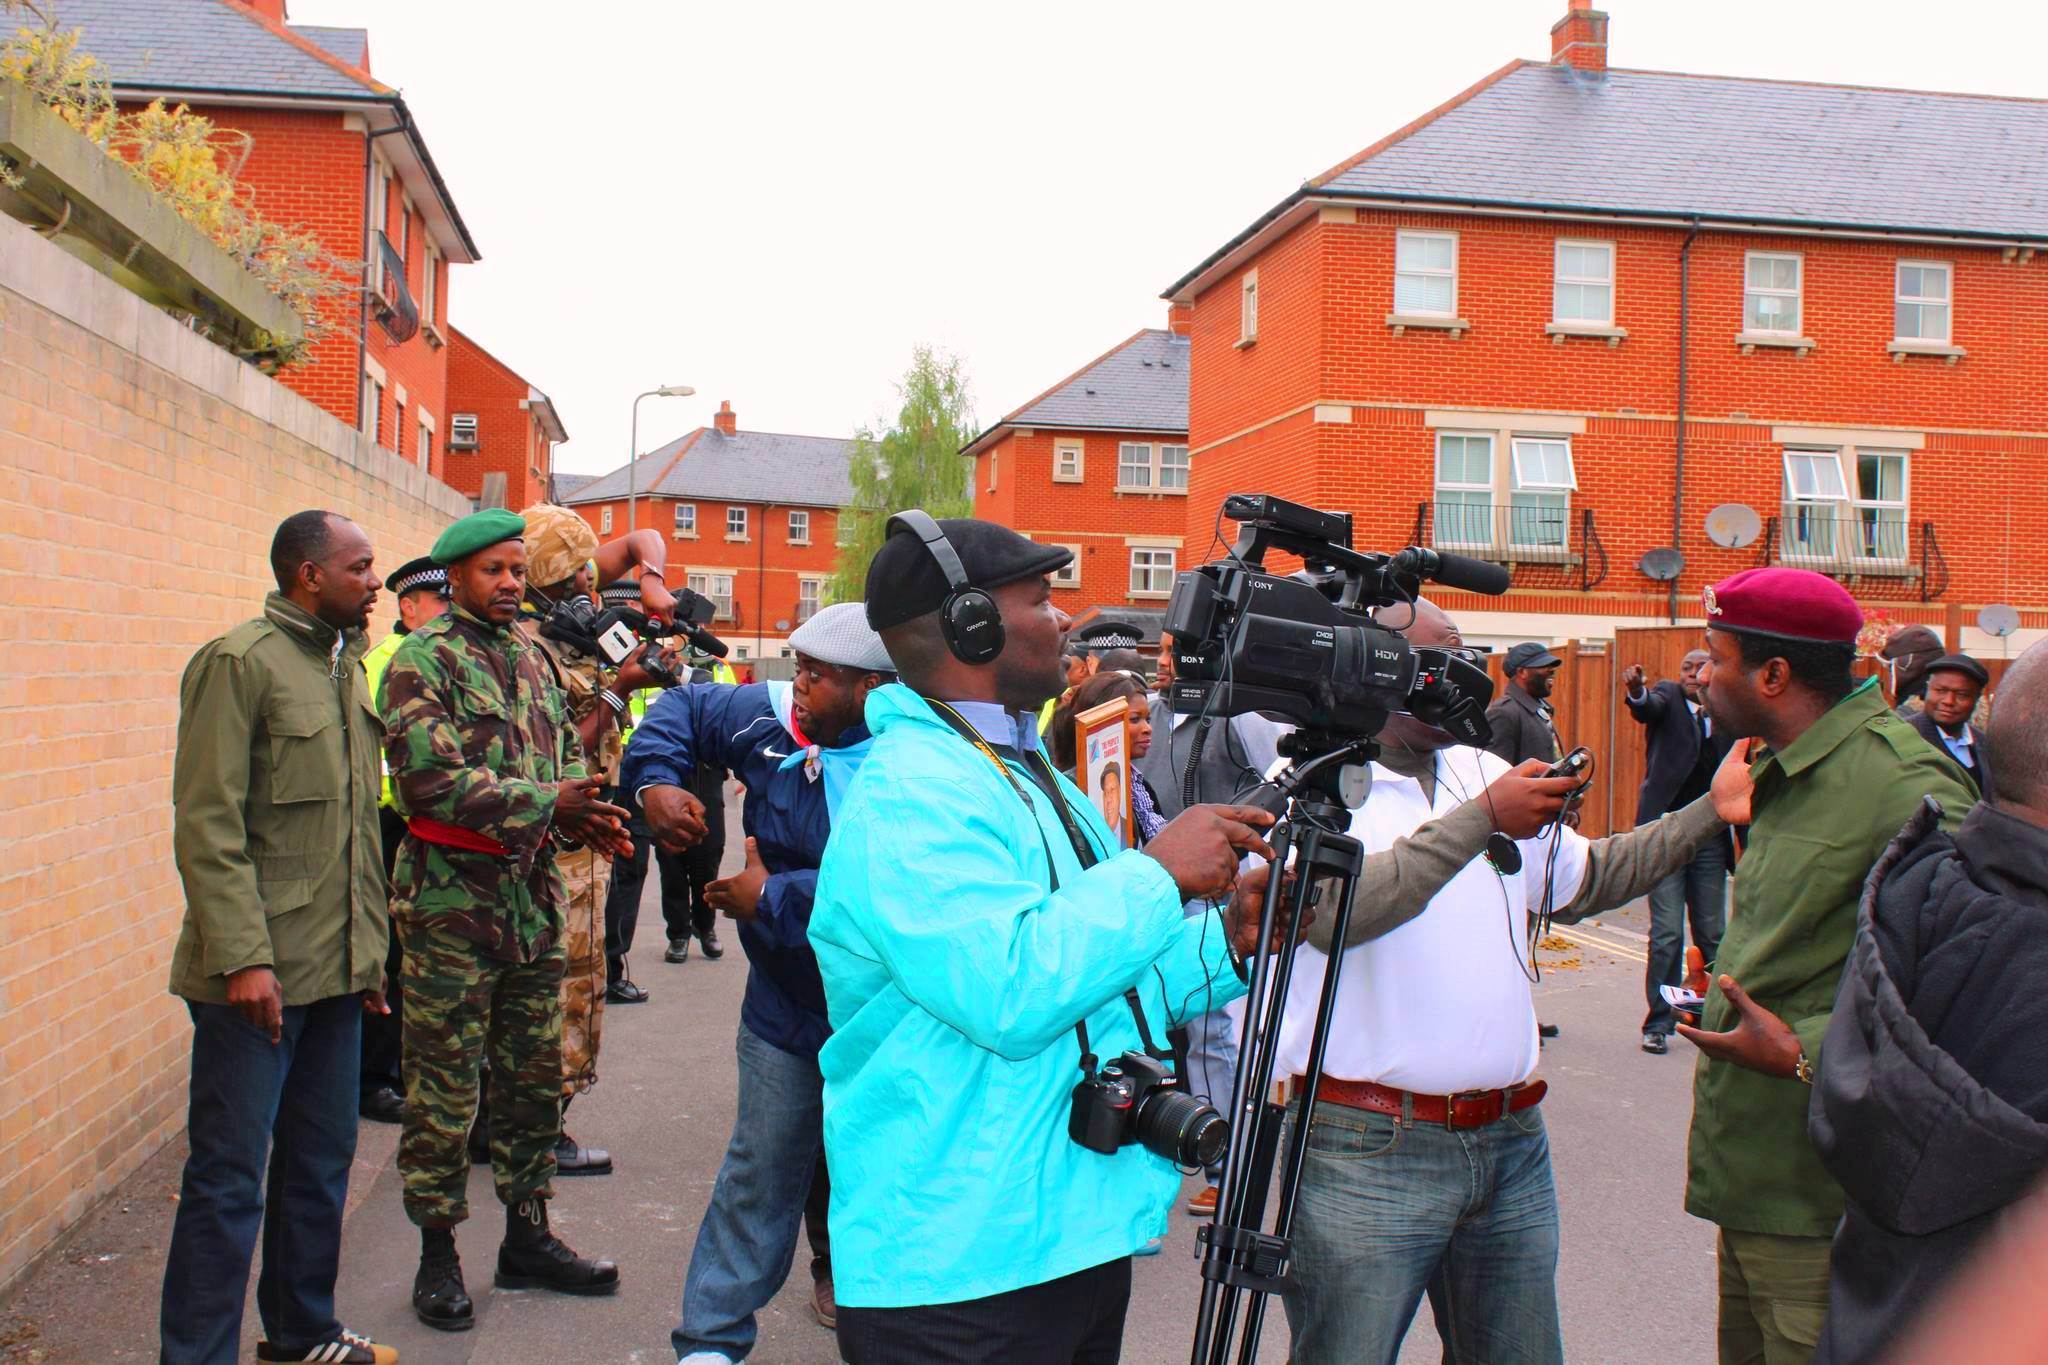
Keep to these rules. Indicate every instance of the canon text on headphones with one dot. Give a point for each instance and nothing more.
(968, 618)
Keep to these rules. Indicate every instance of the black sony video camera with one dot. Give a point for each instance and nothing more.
(1137, 1098)
(1307, 648)
(613, 634)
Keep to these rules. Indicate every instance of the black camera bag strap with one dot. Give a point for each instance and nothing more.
(1042, 777)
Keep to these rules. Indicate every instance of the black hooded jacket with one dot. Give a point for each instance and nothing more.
(1931, 1106)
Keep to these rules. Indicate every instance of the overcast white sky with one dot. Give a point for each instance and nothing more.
(774, 203)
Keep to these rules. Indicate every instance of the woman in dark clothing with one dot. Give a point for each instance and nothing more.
(1103, 687)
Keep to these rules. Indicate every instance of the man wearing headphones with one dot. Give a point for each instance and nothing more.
(982, 942)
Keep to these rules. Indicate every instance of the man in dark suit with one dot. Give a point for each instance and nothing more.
(1955, 683)
(1523, 721)
(1683, 754)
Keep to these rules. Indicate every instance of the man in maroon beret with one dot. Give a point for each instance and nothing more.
(1838, 779)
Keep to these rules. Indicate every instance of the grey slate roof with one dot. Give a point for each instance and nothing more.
(749, 466)
(1653, 142)
(1142, 385)
(202, 45)
(351, 45)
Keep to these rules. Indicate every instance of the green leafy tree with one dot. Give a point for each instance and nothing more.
(914, 463)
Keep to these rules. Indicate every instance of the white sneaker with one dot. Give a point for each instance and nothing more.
(706, 1358)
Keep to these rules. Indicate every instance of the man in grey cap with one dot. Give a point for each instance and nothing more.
(794, 746)
(1954, 684)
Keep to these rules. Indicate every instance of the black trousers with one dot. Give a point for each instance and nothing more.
(381, 1032)
(683, 879)
(622, 902)
(1075, 1320)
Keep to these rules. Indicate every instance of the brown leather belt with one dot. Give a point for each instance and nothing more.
(1471, 1109)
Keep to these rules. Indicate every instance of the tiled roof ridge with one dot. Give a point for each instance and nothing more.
(306, 45)
(1824, 85)
(792, 435)
(1415, 126)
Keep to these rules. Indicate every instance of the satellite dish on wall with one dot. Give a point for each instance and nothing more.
(1998, 619)
(1733, 525)
(1662, 563)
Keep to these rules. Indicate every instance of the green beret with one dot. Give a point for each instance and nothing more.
(475, 531)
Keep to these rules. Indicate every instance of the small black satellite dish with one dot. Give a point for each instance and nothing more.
(1733, 525)
(1662, 563)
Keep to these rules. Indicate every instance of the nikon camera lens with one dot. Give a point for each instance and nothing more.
(1181, 1128)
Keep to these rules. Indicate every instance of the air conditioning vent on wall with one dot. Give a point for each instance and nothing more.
(462, 431)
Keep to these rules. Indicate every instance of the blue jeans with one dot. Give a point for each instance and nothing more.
(1386, 1207)
(291, 1106)
(1701, 888)
(747, 1241)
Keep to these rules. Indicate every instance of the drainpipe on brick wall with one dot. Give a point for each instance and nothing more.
(1678, 476)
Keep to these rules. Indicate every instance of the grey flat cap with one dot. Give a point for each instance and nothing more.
(839, 634)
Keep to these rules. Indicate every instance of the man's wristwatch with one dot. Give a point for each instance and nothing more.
(1803, 1068)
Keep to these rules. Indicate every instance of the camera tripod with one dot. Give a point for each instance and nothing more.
(1317, 792)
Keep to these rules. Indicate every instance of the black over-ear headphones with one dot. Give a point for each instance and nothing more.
(968, 619)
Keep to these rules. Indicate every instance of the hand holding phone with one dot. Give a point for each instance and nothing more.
(1578, 765)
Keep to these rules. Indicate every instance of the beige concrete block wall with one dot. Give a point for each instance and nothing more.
(142, 472)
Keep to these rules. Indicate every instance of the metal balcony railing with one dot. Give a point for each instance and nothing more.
(1849, 541)
(1545, 544)
(390, 299)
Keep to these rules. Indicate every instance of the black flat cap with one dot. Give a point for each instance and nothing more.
(415, 574)
(905, 581)
(1963, 664)
(1529, 654)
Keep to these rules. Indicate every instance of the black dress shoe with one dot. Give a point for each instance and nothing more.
(573, 1158)
(624, 992)
(709, 940)
(678, 950)
(383, 1105)
(480, 1141)
(1546, 1030)
(532, 1257)
(1657, 1043)
(438, 1295)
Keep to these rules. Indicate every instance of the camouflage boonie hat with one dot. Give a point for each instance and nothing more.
(558, 543)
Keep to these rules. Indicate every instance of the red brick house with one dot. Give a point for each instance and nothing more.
(753, 521)
(502, 431)
(1558, 319)
(330, 148)
(1099, 463)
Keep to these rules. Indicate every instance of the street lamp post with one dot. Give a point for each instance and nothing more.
(633, 455)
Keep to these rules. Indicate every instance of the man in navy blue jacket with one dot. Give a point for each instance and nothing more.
(794, 746)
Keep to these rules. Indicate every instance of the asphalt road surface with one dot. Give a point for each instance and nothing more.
(1635, 1282)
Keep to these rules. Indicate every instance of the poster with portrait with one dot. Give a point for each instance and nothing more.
(1102, 741)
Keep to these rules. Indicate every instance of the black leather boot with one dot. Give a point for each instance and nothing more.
(707, 938)
(438, 1294)
(480, 1136)
(534, 1258)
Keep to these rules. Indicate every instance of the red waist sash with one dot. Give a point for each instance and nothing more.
(455, 836)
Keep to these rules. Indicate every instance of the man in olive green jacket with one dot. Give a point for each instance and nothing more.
(274, 798)
(1841, 776)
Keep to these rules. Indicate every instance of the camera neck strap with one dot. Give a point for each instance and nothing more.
(1043, 778)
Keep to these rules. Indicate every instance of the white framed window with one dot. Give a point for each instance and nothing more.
(1583, 291)
(1772, 284)
(1845, 506)
(426, 446)
(807, 593)
(380, 198)
(398, 427)
(1142, 467)
(1464, 489)
(1248, 308)
(1067, 455)
(430, 274)
(1920, 308)
(1426, 274)
(686, 520)
(717, 587)
(405, 229)
(843, 528)
(993, 456)
(1540, 492)
(1173, 468)
(604, 522)
(735, 523)
(1152, 570)
(373, 407)
(799, 528)
(1069, 576)
(1134, 465)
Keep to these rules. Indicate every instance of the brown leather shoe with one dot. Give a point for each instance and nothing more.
(824, 1306)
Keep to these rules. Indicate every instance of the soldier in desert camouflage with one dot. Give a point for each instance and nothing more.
(490, 776)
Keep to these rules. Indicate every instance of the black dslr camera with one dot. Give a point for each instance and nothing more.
(1306, 648)
(1137, 1098)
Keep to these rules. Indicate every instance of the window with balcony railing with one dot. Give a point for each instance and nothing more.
(1526, 515)
(1828, 522)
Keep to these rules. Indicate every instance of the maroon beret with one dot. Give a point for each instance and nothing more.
(1789, 604)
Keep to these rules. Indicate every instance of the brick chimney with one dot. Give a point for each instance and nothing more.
(273, 10)
(1180, 319)
(1580, 38)
(725, 419)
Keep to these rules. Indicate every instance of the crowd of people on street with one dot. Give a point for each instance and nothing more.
(413, 874)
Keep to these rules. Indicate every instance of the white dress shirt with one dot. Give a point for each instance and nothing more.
(1441, 1004)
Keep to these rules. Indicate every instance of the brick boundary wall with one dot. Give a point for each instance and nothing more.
(142, 473)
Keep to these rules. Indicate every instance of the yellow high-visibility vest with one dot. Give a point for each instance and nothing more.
(373, 670)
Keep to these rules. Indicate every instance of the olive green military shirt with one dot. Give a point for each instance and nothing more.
(274, 812)
(1822, 812)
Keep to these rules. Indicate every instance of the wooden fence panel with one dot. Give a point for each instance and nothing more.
(1584, 701)
(1658, 649)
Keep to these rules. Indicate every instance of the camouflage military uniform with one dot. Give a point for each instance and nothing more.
(477, 736)
(587, 875)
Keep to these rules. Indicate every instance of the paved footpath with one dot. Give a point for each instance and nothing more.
(1636, 1280)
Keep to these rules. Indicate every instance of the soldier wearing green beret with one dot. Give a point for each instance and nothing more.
(490, 777)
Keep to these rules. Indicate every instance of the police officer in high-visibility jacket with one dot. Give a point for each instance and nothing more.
(421, 587)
